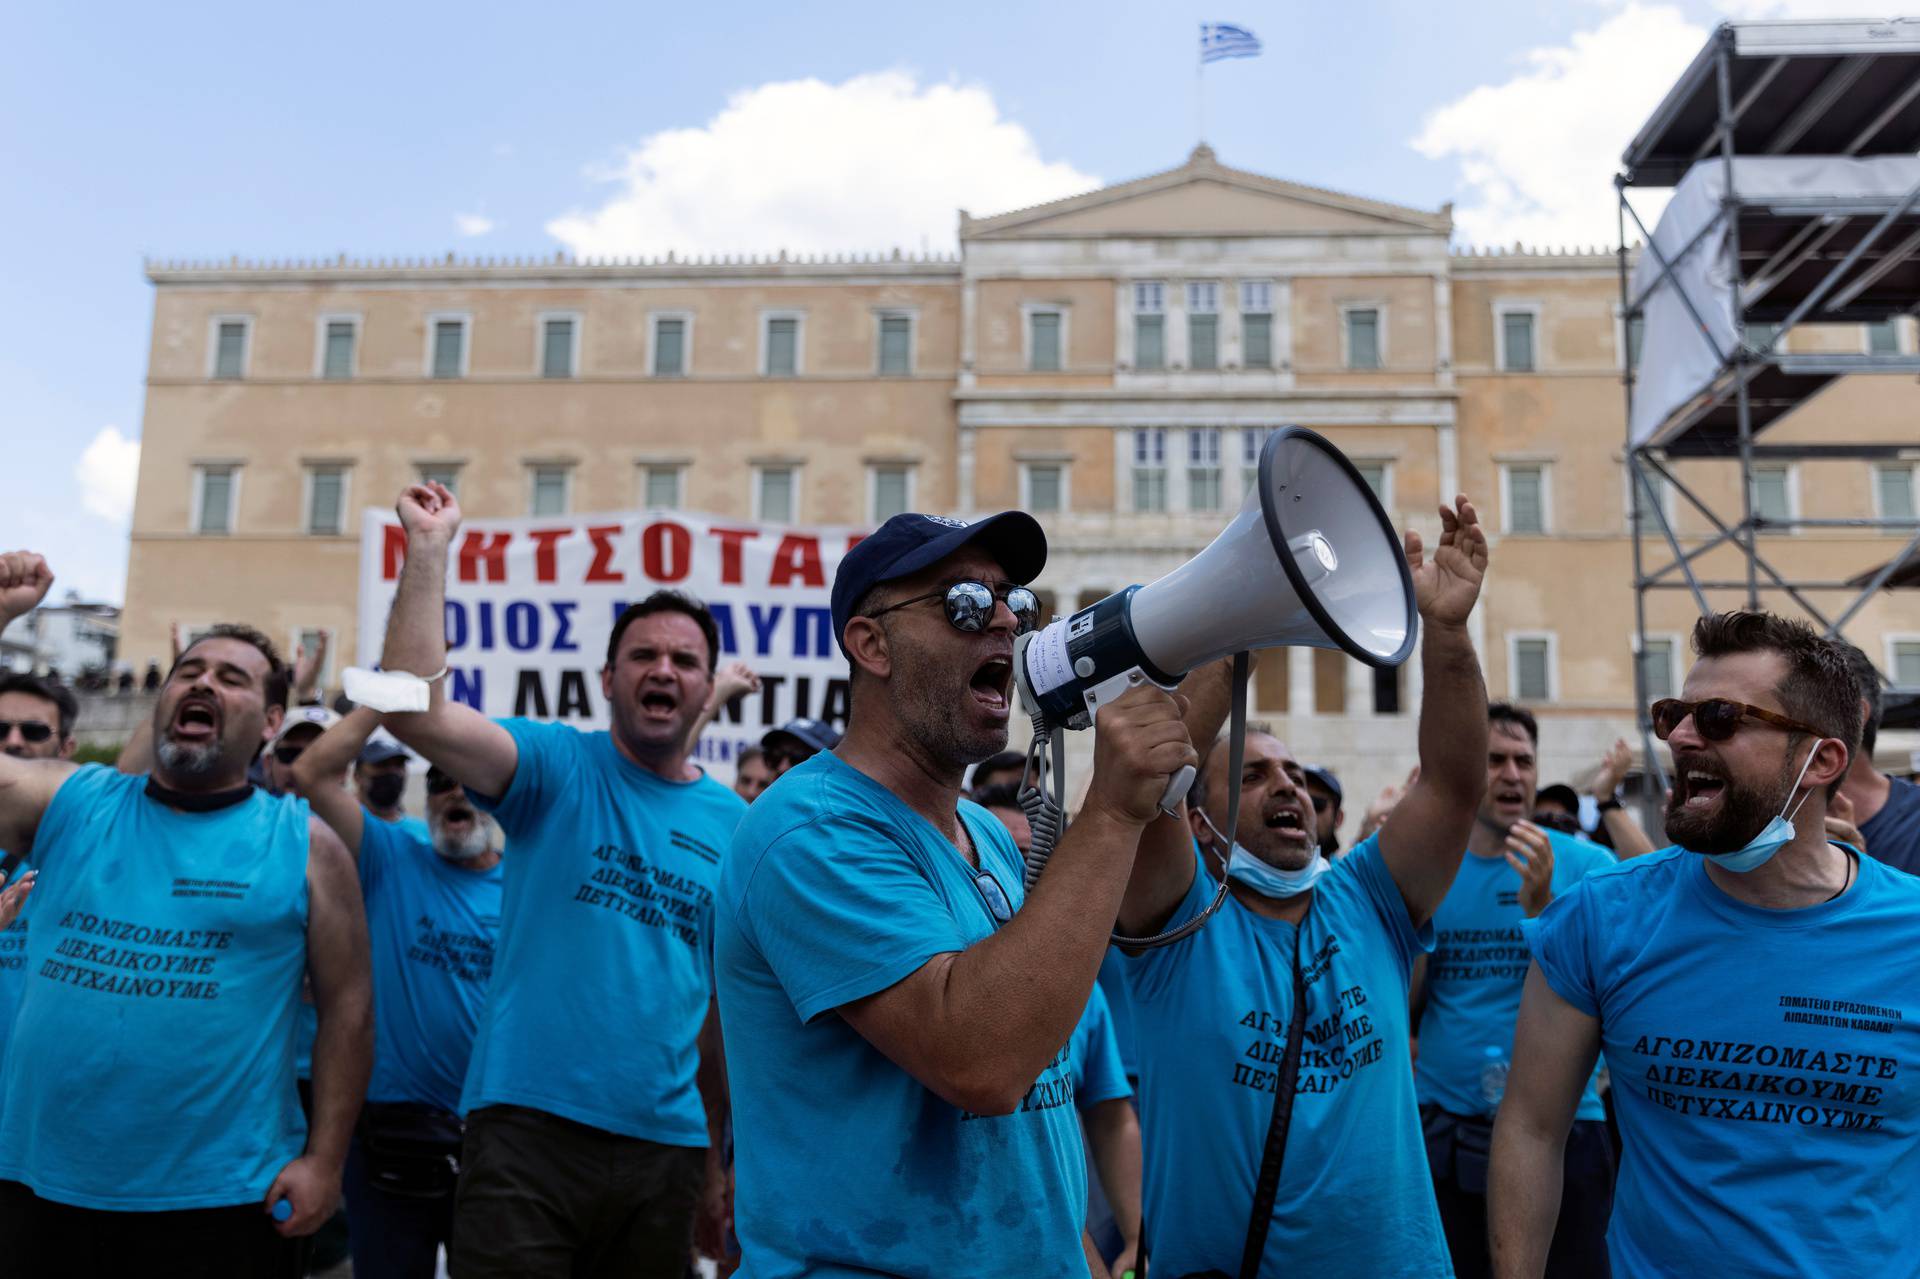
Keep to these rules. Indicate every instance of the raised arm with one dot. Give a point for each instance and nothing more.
(341, 974)
(1423, 843)
(473, 749)
(1629, 840)
(1554, 1047)
(319, 775)
(978, 1026)
(1163, 869)
(26, 786)
(306, 672)
(732, 680)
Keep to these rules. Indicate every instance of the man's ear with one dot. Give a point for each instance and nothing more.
(1197, 825)
(1830, 760)
(606, 681)
(867, 646)
(276, 715)
(67, 746)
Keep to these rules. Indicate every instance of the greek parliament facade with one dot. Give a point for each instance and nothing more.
(1109, 362)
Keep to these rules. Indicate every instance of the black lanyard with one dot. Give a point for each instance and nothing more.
(1268, 1185)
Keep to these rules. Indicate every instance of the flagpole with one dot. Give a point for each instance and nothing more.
(1200, 89)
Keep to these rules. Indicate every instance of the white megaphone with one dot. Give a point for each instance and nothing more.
(1310, 560)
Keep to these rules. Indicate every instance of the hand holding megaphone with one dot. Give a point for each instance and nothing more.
(1139, 742)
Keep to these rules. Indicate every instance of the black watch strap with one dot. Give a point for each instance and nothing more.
(1610, 803)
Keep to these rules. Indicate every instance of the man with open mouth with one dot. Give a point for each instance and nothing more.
(1755, 988)
(1286, 1013)
(433, 918)
(151, 1123)
(592, 1120)
(907, 1106)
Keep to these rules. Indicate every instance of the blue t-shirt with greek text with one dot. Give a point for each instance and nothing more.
(1094, 1056)
(152, 1059)
(431, 926)
(603, 973)
(845, 1164)
(1474, 976)
(1211, 1014)
(1765, 1065)
(13, 965)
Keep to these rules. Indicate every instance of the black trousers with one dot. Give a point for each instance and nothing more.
(542, 1197)
(50, 1240)
(1579, 1248)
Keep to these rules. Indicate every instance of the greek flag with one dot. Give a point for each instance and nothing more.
(1224, 40)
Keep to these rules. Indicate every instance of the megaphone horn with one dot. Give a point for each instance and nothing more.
(1310, 560)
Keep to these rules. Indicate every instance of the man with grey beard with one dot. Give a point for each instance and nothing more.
(433, 914)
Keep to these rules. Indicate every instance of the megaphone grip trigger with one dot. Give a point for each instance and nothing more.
(1177, 789)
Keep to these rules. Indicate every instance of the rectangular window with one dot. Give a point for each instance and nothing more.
(549, 490)
(1893, 490)
(774, 494)
(1883, 338)
(449, 348)
(556, 346)
(1532, 670)
(447, 473)
(1650, 522)
(1526, 494)
(1386, 690)
(336, 358)
(896, 344)
(1150, 470)
(1044, 355)
(1516, 341)
(1256, 297)
(1150, 342)
(1149, 297)
(1203, 469)
(1906, 663)
(661, 488)
(1772, 493)
(1203, 325)
(1252, 440)
(1256, 340)
(669, 347)
(1363, 338)
(1636, 334)
(1375, 474)
(326, 499)
(892, 490)
(1203, 298)
(230, 349)
(1046, 487)
(216, 485)
(1656, 669)
(783, 346)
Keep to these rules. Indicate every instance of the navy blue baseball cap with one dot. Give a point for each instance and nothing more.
(908, 543)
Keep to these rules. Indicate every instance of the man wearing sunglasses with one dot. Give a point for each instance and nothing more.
(796, 742)
(1755, 988)
(36, 722)
(150, 1108)
(590, 1139)
(433, 916)
(908, 1005)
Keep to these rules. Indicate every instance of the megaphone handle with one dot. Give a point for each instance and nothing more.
(1177, 790)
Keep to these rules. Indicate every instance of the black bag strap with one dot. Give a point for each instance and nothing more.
(1268, 1184)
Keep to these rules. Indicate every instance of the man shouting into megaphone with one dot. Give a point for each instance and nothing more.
(1273, 1043)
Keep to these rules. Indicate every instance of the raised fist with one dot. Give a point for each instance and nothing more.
(429, 510)
(24, 582)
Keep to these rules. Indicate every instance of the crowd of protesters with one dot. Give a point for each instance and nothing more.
(596, 1014)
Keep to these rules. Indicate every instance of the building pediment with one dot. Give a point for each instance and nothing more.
(1206, 198)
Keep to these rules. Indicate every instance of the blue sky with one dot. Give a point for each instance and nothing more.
(215, 129)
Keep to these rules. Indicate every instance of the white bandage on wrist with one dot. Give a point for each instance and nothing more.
(389, 692)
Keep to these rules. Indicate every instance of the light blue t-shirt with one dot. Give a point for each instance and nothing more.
(603, 974)
(432, 927)
(406, 824)
(1113, 984)
(152, 1058)
(1474, 976)
(1765, 1063)
(1094, 1056)
(845, 1164)
(13, 964)
(1211, 1014)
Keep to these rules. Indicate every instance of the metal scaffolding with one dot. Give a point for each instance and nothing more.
(1847, 90)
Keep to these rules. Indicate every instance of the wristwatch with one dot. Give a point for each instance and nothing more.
(1610, 803)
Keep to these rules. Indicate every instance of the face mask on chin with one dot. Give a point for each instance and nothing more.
(1269, 881)
(1774, 836)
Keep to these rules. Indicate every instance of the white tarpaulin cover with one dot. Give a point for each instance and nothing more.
(1676, 360)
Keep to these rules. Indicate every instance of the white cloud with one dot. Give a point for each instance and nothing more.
(107, 472)
(1537, 153)
(876, 162)
(471, 224)
(1739, 9)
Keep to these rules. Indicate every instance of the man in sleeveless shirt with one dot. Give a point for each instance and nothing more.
(150, 1122)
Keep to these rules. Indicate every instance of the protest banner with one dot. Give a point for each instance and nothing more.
(530, 604)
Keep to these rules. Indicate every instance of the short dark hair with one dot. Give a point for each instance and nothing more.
(1866, 677)
(747, 755)
(999, 795)
(47, 690)
(1508, 713)
(279, 678)
(668, 601)
(1819, 688)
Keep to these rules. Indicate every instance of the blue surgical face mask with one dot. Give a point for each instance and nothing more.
(1773, 837)
(1271, 881)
